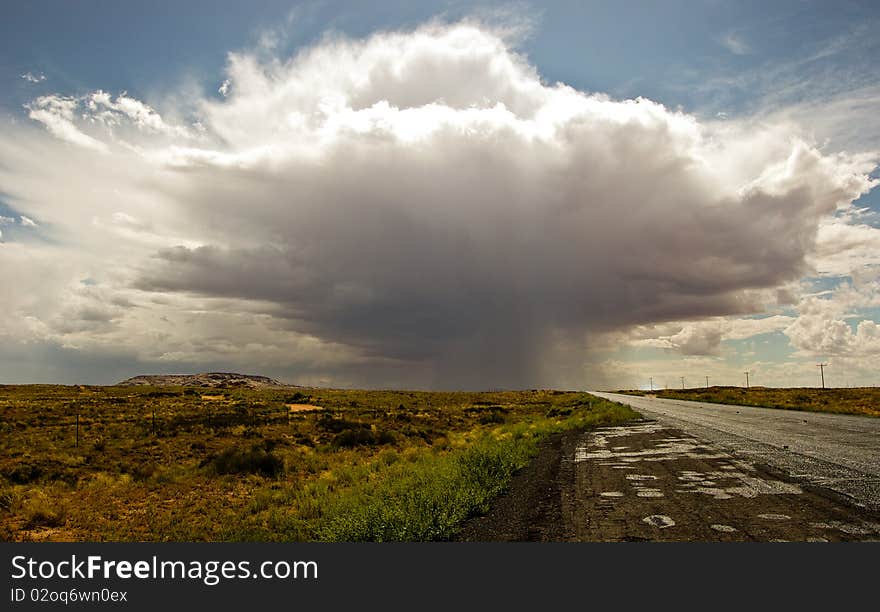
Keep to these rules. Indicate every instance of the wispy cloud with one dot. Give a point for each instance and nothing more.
(30, 77)
(830, 86)
(736, 44)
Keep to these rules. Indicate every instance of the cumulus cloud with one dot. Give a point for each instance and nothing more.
(830, 324)
(426, 205)
(817, 332)
(704, 337)
(844, 247)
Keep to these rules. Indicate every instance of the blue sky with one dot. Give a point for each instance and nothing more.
(666, 51)
(740, 84)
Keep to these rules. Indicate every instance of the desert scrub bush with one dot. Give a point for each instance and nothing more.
(106, 480)
(41, 510)
(9, 498)
(263, 499)
(332, 424)
(308, 462)
(362, 436)
(491, 418)
(559, 411)
(24, 473)
(257, 460)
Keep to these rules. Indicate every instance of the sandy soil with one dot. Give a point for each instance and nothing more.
(302, 407)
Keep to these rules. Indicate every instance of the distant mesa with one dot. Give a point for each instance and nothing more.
(212, 380)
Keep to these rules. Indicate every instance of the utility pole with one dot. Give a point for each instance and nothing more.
(652, 384)
(822, 367)
(707, 382)
(747, 379)
(682, 383)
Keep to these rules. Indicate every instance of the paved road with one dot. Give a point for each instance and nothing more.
(840, 453)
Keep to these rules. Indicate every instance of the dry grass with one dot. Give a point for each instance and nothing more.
(302, 407)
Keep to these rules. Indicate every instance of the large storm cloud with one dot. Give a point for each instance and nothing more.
(427, 201)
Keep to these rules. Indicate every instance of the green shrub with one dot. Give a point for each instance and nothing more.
(254, 461)
(354, 437)
(329, 423)
(429, 498)
(24, 473)
(491, 418)
(362, 436)
(558, 411)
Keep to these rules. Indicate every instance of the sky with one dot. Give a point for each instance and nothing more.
(441, 195)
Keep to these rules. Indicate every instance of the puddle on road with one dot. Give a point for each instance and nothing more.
(649, 493)
(617, 466)
(863, 529)
(659, 520)
(734, 478)
(719, 474)
(725, 485)
(598, 446)
(774, 517)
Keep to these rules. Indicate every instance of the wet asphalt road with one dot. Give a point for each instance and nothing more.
(840, 453)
